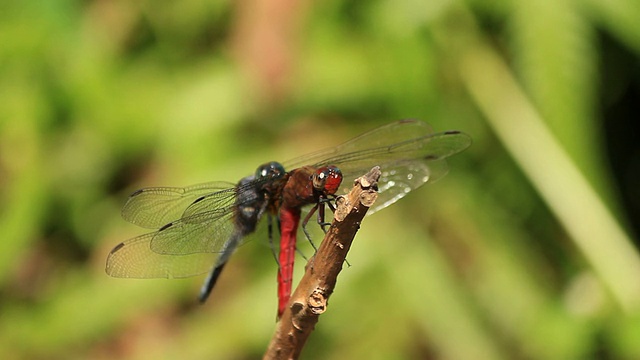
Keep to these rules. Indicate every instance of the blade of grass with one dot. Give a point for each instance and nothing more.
(516, 122)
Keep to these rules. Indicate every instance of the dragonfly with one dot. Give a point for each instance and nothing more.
(198, 228)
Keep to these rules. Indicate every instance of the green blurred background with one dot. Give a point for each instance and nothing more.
(524, 251)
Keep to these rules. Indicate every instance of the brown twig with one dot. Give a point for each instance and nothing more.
(309, 300)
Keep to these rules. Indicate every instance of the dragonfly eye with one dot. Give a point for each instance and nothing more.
(271, 170)
(327, 179)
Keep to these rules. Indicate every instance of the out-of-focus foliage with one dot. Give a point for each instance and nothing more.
(495, 261)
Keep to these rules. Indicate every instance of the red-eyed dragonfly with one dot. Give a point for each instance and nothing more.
(199, 227)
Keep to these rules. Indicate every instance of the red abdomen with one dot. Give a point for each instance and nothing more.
(289, 220)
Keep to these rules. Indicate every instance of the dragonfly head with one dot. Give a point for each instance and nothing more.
(270, 170)
(327, 179)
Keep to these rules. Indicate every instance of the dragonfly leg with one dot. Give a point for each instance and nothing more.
(270, 236)
(327, 201)
(301, 254)
(324, 201)
(304, 226)
(321, 222)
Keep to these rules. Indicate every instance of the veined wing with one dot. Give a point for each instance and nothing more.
(408, 152)
(200, 238)
(398, 179)
(205, 232)
(156, 206)
(134, 259)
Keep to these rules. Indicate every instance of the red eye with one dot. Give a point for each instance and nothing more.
(327, 179)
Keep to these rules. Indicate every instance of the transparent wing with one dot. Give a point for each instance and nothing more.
(205, 232)
(408, 153)
(156, 206)
(134, 259)
(398, 179)
(401, 136)
(185, 247)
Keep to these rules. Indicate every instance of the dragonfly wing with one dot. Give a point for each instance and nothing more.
(156, 206)
(405, 166)
(391, 146)
(380, 137)
(399, 179)
(135, 259)
(245, 193)
(427, 148)
(208, 224)
(205, 232)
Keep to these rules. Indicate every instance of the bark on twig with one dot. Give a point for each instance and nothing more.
(309, 300)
